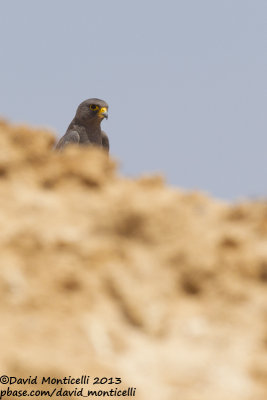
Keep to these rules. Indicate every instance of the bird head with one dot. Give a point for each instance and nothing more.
(92, 110)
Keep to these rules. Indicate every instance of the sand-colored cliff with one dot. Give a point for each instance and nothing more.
(111, 277)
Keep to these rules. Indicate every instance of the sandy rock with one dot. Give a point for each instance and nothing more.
(111, 277)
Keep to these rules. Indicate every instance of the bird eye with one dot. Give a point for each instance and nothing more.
(93, 107)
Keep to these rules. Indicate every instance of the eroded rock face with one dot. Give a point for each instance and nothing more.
(106, 276)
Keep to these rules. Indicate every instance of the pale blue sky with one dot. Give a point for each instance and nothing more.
(185, 81)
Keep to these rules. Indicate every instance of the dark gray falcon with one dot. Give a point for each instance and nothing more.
(85, 127)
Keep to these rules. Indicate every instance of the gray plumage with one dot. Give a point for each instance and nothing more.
(85, 127)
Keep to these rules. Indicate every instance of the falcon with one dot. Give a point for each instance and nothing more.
(85, 127)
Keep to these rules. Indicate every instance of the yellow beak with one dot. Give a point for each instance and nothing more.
(103, 112)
